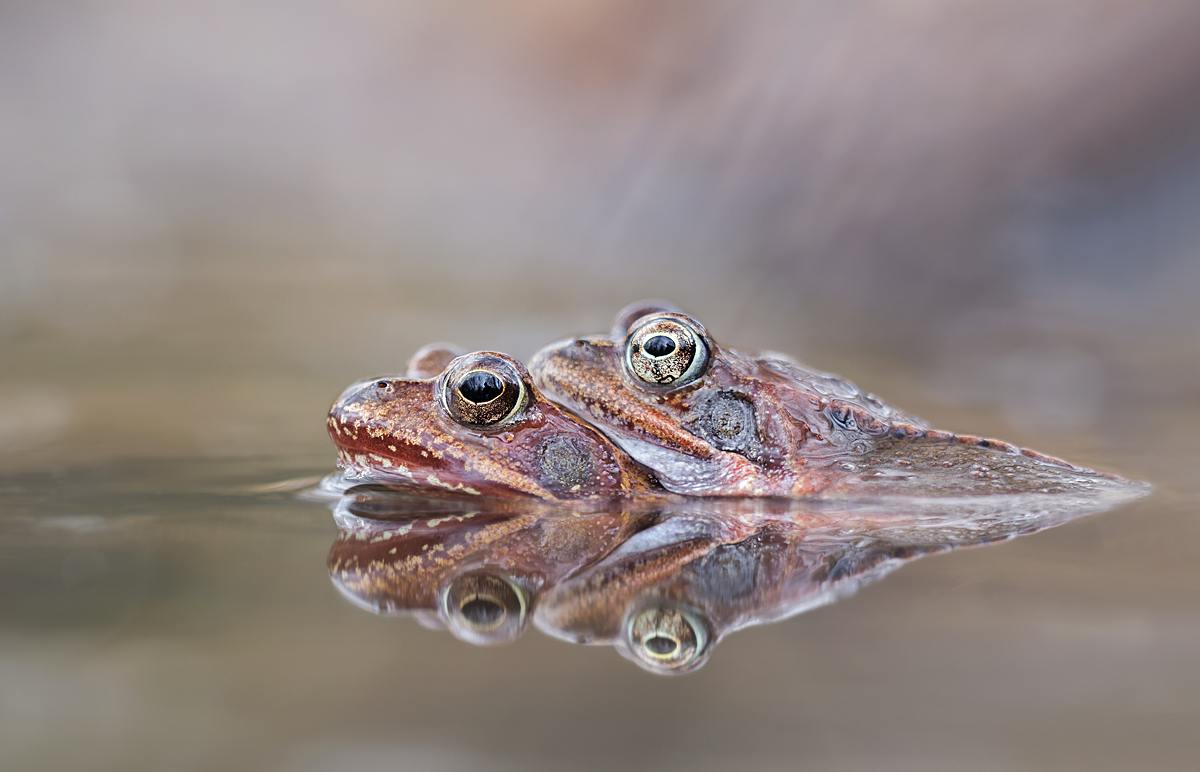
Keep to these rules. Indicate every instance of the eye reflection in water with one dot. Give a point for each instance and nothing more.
(662, 585)
(485, 608)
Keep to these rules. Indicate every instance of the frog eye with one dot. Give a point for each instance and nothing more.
(482, 390)
(665, 350)
(484, 608)
(667, 639)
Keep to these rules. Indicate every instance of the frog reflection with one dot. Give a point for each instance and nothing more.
(666, 606)
(663, 588)
(670, 593)
(476, 573)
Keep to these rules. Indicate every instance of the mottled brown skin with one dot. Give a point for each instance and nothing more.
(413, 566)
(398, 431)
(810, 432)
(430, 360)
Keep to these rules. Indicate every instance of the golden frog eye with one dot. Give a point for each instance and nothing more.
(667, 639)
(483, 390)
(484, 608)
(665, 350)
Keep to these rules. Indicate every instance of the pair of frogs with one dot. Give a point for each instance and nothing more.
(658, 407)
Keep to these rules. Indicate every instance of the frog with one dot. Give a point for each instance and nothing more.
(474, 424)
(477, 573)
(708, 420)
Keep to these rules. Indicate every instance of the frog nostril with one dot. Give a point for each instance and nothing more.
(580, 350)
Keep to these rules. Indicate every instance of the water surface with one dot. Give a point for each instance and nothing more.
(159, 608)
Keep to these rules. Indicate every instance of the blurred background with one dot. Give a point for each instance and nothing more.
(250, 205)
(214, 216)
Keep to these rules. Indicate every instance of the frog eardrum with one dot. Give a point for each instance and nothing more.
(665, 350)
(482, 391)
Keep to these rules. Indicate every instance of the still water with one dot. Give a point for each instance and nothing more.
(218, 614)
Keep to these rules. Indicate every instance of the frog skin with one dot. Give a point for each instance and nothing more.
(478, 426)
(431, 359)
(478, 574)
(715, 421)
(695, 576)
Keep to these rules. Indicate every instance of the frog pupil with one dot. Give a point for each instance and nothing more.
(480, 387)
(482, 613)
(658, 346)
(661, 645)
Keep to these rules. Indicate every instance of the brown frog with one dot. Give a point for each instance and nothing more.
(477, 574)
(475, 424)
(715, 421)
